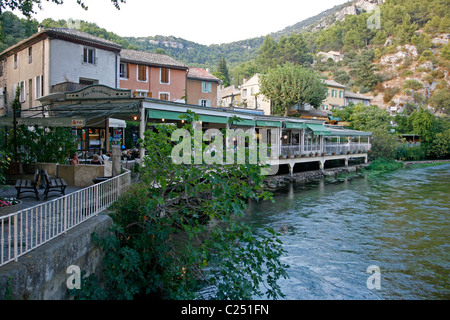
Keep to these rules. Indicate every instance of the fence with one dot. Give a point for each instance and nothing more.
(25, 230)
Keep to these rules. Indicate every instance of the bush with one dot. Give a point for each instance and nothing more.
(384, 165)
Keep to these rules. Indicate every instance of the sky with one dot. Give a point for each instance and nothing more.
(201, 21)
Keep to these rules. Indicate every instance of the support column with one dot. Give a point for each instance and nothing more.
(291, 169)
(346, 162)
(322, 165)
(141, 133)
(116, 159)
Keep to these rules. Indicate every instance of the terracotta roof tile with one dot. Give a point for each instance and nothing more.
(150, 58)
(198, 73)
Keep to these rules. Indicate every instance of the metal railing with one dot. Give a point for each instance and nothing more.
(328, 148)
(25, 230)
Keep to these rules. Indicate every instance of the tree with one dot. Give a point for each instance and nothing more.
(364, 71)
(440, 100)
(368, 118)
(290, 84)
(180, 230)
(266, 57)
(222, 69)
(293, 49)
(27, 6)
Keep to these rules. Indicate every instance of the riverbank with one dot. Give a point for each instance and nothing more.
(279, 181)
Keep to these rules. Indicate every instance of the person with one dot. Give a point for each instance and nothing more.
(96, 160)
(74, 160)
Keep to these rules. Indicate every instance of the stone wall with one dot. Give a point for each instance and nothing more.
(42, 273)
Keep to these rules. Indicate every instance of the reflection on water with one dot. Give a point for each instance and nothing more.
(333, 232)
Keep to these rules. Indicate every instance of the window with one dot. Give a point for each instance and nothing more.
(206, 86)
(88, 82)
(124, 70)
(244, 92)
(165, 75)
(89, 56)
(204, 103)
(39, 86)
(15, 61)
(333, 93)
(164, 96)
(30, 54)
(142, 72)
(140, 93)
(23, 93)
(341, 94)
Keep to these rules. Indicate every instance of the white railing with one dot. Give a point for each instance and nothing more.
(25, 230)
(328, 148)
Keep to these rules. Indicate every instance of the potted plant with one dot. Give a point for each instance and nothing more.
(323, 154)
(348, 152)
(359, 151)
(303, 155)
(9, 205)
(311, 154)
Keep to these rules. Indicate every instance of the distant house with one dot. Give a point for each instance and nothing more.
(202, 88)
(334, 55)
(335, 97)
(230, 96)
(250, 97)
(55, 60)
(152, 75)
(356, 98)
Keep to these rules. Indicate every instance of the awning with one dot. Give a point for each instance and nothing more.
(319, 129)
(245, 122)
(295, 125)
(162, 114)
(213, 119)
(266, 123)
(348, 133)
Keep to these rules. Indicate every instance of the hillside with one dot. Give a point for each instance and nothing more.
(403, 61)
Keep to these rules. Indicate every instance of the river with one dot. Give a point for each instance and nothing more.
(332, 232)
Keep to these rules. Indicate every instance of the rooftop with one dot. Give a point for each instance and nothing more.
(148, 58)
(67, 34)
(201, 74)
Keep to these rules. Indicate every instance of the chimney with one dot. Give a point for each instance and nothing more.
(40, 28)
(207, 70)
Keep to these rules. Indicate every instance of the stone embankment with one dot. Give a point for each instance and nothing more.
(279, 181)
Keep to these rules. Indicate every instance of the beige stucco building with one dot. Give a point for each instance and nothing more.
(55, 60)
(335, 96)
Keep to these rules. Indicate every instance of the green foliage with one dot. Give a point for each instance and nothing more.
(27, 7)
(382, 164)
(411, 153)
(368, 118)
(4, 165)
(41, 144)
(290, 84)
(440, 147)
(440, 100)
(180, 231)
(384, 144)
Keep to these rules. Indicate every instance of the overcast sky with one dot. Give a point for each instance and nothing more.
(201, 21)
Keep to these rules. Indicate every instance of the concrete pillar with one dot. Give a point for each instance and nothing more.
(322, 165)
(291, 168)
(346, 162)
(141, 133)
(116, 160)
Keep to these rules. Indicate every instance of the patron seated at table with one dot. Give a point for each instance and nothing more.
(74, 160)
(96, 160)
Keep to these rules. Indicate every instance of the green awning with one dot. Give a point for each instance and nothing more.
(245, 122)
(266, 123)
(171, 115)
(318, 129)
(295, 125)
(162, 114)
(213, 119)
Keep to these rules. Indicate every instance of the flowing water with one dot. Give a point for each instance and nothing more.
(332, 233)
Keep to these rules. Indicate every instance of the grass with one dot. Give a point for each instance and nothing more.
(429, 164)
